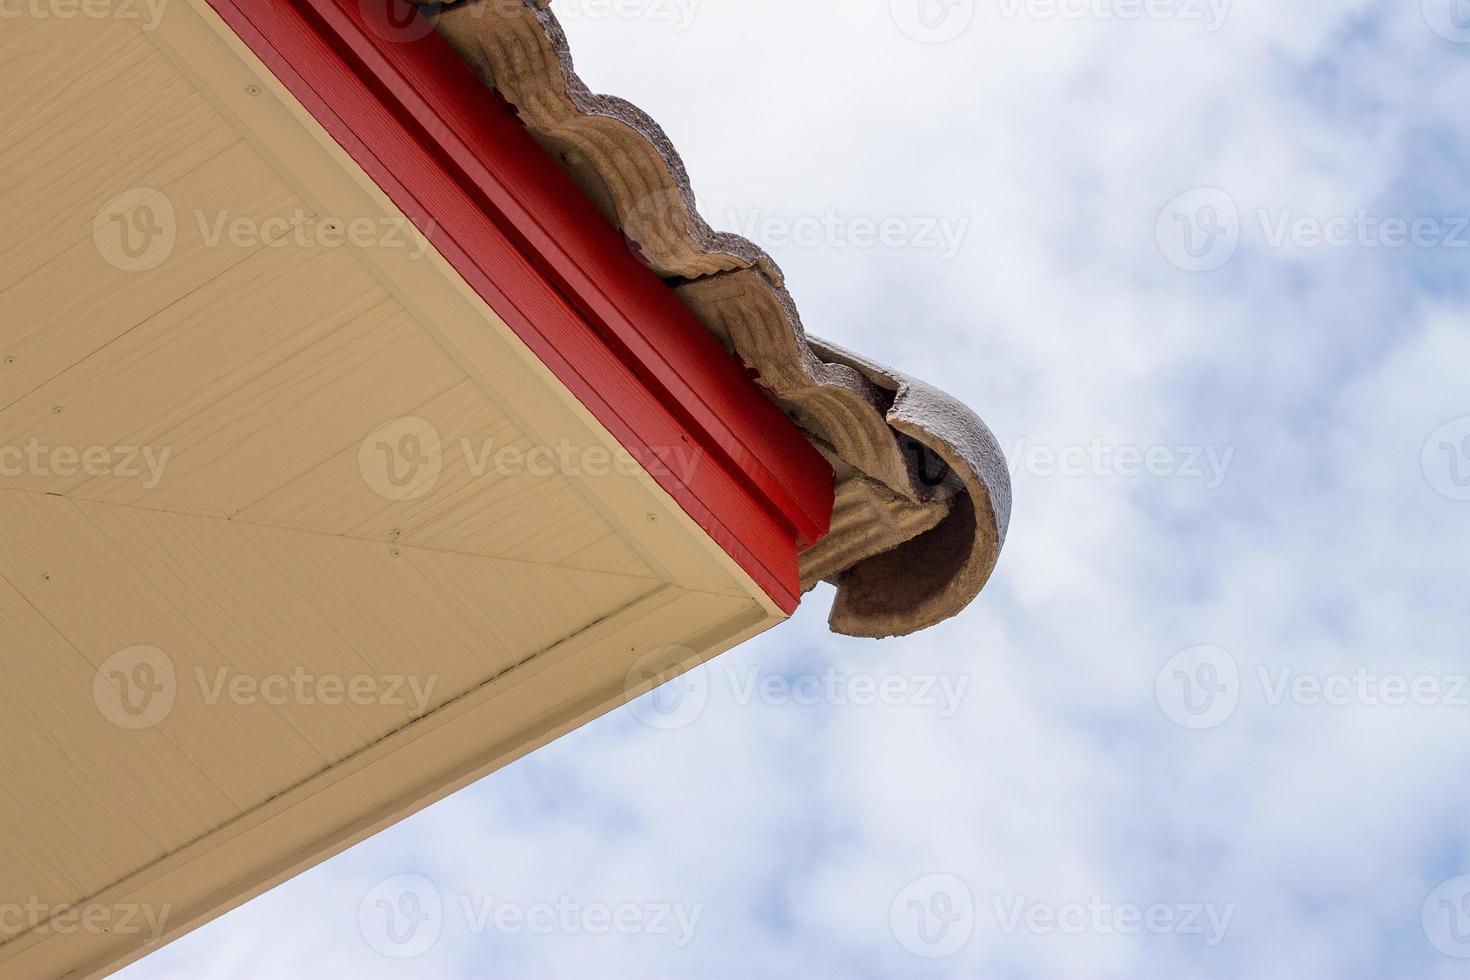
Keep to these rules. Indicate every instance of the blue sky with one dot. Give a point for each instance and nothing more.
(1207, 720)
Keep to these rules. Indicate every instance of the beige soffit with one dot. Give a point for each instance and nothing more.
(923, 492)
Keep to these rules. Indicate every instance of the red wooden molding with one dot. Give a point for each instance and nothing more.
(452, 156)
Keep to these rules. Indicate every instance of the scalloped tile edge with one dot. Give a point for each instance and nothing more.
(924, 493)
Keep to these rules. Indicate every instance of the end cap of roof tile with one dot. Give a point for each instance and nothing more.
(924, 489)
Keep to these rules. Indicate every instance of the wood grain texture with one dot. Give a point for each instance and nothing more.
(538, 252)
(78, 302)
(130, 120)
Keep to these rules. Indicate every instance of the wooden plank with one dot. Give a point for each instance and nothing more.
(471, 506)
(25, 875)
(418, 612)
(648, 518)
(606, 362)
(262, 432)
(144, 796)
(579, 251)
(496, 724)
(137, 122)
(80, 301)
(240, 327)
(253, 614)
(49, 694)
(229, 756)
(388, 612)
(518, 608)
(62, 842)
(58, 61)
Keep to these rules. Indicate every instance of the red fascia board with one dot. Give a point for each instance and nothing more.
(453, 157)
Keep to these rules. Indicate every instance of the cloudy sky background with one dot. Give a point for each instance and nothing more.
(1306, 407)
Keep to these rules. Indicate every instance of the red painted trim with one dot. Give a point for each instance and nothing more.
(452, 156)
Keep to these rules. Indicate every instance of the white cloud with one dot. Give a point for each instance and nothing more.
(1326, 548)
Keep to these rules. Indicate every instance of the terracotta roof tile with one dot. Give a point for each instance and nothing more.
(924, 495)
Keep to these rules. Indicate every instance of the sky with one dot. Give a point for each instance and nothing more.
(1202, 267)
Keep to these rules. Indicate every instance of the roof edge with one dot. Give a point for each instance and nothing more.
(923, 481)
